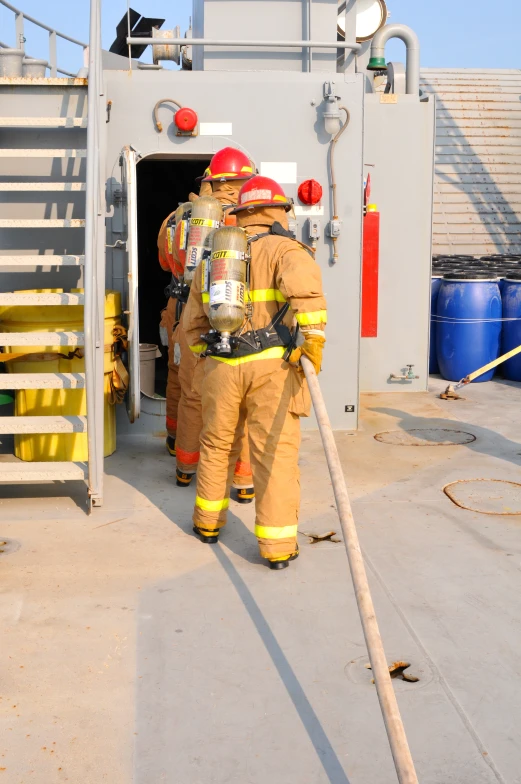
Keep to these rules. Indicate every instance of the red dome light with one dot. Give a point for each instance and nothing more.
(185, 119)
(310, 192)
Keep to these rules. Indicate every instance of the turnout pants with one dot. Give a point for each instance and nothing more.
(259, 393)
(173, 387)
(191, 376)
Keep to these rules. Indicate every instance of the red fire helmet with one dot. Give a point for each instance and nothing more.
(229, 164)
(261, 192)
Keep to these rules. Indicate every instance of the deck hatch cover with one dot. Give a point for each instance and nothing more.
(429, 436)
(486, 496)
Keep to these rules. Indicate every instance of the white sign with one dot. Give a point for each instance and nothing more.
(215, 129)
(283, 172)
(312, 209)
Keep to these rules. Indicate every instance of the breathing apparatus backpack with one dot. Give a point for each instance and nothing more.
(177, 239)
(226, 277)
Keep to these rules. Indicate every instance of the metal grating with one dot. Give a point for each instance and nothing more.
(477, 184)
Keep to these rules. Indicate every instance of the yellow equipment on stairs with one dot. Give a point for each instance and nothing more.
(63, 363)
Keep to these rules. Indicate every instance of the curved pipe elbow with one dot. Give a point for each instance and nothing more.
(412, 43)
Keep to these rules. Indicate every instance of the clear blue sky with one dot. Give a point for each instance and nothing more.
(453, 33)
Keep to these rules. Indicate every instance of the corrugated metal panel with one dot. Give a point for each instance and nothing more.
(477, 184)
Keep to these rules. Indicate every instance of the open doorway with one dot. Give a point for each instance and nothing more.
(161, 185)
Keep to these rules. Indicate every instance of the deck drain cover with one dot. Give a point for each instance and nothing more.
(428, 436)
(486, 496)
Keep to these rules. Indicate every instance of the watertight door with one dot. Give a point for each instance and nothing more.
(129, 159)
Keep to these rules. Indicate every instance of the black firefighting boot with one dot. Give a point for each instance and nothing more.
(245, 495)
(283, 563)
(170, 445)
(207, 537)
(182, 479)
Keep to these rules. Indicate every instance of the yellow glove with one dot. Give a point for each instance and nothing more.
(312, 349)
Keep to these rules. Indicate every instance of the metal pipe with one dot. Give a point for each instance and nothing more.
(159, 125)
(19, 26)
(128, 36)
(403, 761)
(412, 43)
(90, 270)
(355, 47)
(40, 24)
(333, 174)
(53, 54)
(310, 54)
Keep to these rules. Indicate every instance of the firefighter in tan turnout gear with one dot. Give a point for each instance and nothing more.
(242, 313)
(171, 259)
(228, 170)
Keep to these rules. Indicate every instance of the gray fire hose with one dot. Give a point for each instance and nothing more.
(391, 714)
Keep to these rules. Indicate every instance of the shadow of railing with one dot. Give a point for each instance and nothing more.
(474, 176)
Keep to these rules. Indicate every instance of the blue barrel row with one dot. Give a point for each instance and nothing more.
(475, 315)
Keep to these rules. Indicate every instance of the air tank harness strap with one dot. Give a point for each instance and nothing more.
(255, 341)
(279, 231)
(178, 291)
(119, 377)
(275, 228)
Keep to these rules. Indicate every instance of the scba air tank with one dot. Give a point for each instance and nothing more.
(227, 281)
(178, 236)
(207, 215)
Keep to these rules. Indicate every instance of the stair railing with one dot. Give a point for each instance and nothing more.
(20, 19)
(94, 282)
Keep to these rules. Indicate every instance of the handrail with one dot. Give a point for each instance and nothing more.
(94, 270)
(20, 17)
(41, 24)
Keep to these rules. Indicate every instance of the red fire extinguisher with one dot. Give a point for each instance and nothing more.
(370, 265)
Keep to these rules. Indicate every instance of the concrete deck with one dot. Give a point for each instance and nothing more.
(132, 653)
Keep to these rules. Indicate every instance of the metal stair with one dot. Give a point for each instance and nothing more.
(14, 152)
(42, 186)
(43, 122)
(45, 260)
(45, 180)
(42, 381)
(32, 472)
(43, 424)
(28, 473)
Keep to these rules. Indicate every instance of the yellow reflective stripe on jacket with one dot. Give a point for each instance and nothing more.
(266, 295)
(199, 348)
(315, 317)
(278, 532)
(205, 296)
(277, 352)
(211, 506)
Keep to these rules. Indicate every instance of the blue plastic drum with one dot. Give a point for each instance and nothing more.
(511, 337)
(468, 324)
(503, 275)
(435, 290)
